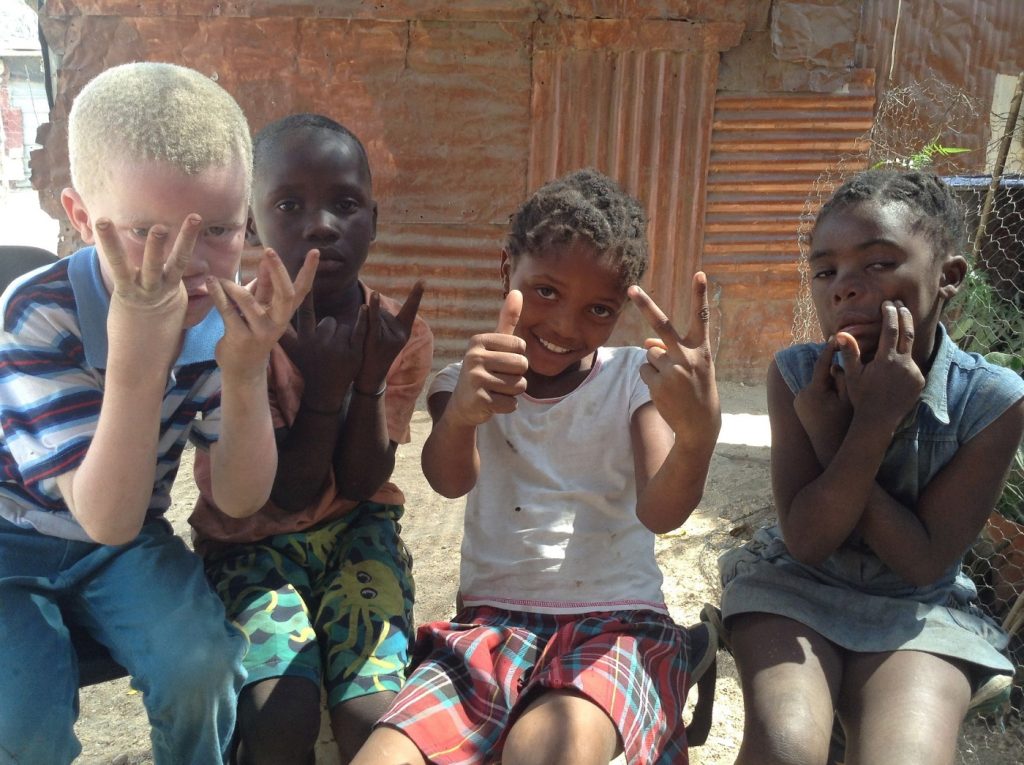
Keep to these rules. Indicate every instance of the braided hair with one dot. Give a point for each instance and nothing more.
(583, 205)
(267, 139)
(939, 214)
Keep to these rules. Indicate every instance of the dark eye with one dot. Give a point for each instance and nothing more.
(602, 311)
(823, 273)
(363, 577)
(348, 205)
(368, 592)
(141, 233)
(287, 205)
(217, 231)
(548, 293)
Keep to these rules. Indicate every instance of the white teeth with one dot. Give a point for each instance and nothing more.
(552, 347)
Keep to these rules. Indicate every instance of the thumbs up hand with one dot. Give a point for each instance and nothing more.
(493, 370)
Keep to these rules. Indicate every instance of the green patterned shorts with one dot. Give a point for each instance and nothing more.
(332, 603)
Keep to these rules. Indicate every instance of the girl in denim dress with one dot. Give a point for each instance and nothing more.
(889, 449)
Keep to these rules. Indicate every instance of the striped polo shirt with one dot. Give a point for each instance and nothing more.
(53, 353)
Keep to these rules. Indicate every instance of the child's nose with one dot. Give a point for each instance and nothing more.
(321, 227)
(845, 288)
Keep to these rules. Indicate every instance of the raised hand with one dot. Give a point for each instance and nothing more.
(155, 286)
(888, 386)
(386, 336)
(679, 370)
(327, 354)
(823, 407)
(493, 370)
(257, 316)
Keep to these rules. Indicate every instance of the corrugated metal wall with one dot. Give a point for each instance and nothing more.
(963, 43)
(767, 151)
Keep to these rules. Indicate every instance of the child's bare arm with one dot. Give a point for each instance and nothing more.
(327, 355)
(921, 543)
(110, 491)
(671, 471)
(243, 461)
(821, 498)
(492, 376)
(365, 455)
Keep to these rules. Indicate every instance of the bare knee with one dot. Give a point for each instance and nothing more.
(352, 721)
(791, 737)
(278, 722)
(559, 727)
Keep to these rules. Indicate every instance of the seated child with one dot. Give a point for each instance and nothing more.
(107, 357)
(889, 448)
(319, 579)
(563, 650)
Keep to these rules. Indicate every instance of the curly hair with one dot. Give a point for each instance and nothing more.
(154, 111)
(587, 205)
(940, 214)
(268, 138)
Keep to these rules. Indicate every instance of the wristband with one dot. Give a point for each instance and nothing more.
(378, 394)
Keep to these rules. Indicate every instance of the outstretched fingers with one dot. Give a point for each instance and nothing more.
(411, 306)
(184, 246)
(698, 334)
(659, 322)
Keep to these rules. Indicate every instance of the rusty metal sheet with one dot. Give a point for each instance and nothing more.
(767, 151)
(440, 106)
(964, 43)
(635, 100)
(815, 32)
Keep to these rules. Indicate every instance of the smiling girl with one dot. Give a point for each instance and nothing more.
(563, 649)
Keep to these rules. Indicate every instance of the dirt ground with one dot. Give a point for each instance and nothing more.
(112, 724)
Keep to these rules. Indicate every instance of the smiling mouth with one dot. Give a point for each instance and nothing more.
(552, 347)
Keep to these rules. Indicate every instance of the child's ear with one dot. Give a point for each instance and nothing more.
(954, 270)
(505, 271)
(78, 214)
(252, 238)
(373, 228)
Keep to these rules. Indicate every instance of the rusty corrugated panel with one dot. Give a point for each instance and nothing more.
(767, 151)
(964, 43)
(460, 266)
(633, 99)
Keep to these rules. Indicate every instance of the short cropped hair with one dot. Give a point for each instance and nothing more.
(269, 137)
(583, 205)
(154, 111)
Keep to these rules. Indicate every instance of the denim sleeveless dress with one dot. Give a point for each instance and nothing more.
(853, 599)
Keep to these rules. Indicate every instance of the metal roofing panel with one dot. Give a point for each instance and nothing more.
(767, 152)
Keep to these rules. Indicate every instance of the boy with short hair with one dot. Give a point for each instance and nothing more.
(106, 358)
(319, 579)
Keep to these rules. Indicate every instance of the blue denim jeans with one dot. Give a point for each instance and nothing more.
(149, 603)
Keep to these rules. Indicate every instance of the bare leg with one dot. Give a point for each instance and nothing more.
(560, 727)
(352, 721)
(790, 677)
(388, 746)
(278, 722)
(902, 707)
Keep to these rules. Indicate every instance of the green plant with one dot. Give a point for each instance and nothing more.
(924, 157)
(982, 321)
